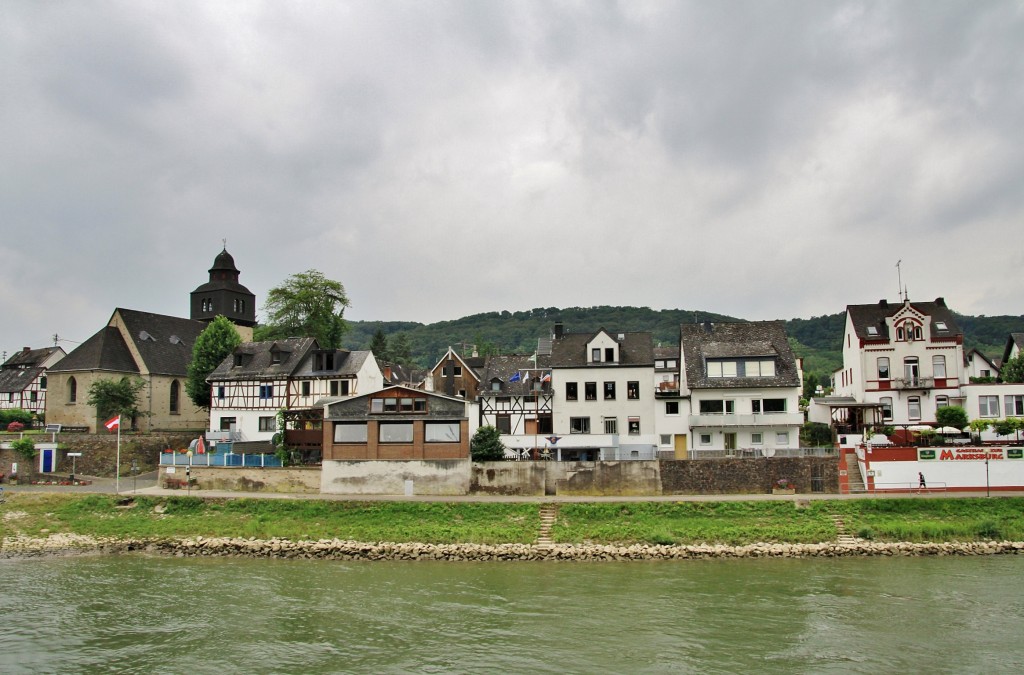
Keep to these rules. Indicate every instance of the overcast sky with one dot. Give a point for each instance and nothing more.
(757, 159)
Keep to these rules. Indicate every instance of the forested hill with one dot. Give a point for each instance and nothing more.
(818, 339)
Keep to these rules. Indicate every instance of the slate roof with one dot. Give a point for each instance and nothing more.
(168, 348)
(739, 339)
(346, 364)
(14, 380)
(104, 350)
(30, 358)
(864, 316)
(163, 342)
(570, 350)
(505, 366)
(1014, 339)
(257, 361)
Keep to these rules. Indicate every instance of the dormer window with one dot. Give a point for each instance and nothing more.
(495, 384)
(872, 331)
(324, 360)
(595, 355)
(238, 360)
(275, 357)
(941, 325)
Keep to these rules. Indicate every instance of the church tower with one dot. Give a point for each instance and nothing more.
(223, 295)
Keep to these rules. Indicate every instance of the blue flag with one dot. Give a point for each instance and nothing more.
(515, 378)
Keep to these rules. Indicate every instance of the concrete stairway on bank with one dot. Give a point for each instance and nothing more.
(548, 515)
(841, 534)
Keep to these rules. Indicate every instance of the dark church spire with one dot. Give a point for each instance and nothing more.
(224, 295)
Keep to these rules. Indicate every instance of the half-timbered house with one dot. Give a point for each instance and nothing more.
(515, 397)
(23, 379)
(259, 380)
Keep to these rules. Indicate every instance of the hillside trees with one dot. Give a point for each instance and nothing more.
(214, 344)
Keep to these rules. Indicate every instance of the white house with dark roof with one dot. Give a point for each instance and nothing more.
(907, 358)
(23, 379)
(603, 395)
(744, 385)
(295, 375)
(977, 366)
(671, 407)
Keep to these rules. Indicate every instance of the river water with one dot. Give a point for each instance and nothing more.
(141, 614)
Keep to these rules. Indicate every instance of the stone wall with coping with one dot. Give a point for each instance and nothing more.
(449, 477)
(748, 476)
(289, 480)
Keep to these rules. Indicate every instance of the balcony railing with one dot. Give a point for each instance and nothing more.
(913, 382)
(762, 420)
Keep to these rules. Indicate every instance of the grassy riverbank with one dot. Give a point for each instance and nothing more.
(735, 523)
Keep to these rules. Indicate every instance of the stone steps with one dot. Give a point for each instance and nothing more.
(842, 536)
(548, 515)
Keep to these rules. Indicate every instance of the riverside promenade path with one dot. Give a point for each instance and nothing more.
(146, 485)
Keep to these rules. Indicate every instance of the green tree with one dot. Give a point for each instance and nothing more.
(214, 344)
(486, 445)
(24, 448)
(307, 304)
(399, 351)
(379, 346)
(951, 416)
(116, 397)
(1013, 369)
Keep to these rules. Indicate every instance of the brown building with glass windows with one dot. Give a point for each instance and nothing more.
(397, 423)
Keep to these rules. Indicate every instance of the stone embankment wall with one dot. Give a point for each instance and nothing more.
(748, 476)
(99, 452)
(335, 549)
(291, 480)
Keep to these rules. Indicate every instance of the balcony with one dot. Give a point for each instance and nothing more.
(667, 389)
(762, 420)
(906, 383)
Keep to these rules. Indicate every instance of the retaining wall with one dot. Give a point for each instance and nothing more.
(448, 477)
(748, 476)
(292, 480)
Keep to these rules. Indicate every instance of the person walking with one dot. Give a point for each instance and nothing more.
(921, 485)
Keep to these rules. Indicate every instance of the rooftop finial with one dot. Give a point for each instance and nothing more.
(225, 243)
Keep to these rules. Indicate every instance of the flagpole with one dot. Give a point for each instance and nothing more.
(117, 469)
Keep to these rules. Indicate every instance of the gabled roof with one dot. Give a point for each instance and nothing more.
(30, 358)
(258, 360)
(400, 374)
(14, 380)
(754, 339)
(472, 364)
(1014, 340)
(974, 351)
(164, 342)
(505, 366)
(346, 364)
(104, 350)
(570, 350)
(874, 316)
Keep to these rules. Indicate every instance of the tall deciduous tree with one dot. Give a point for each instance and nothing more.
(307, 304)
(214, 344)
(116, 397)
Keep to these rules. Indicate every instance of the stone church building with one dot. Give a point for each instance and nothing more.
(154, 348)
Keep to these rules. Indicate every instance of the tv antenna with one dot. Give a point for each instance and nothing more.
(901, 291)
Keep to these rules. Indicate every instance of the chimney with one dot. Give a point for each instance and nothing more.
(708, 327)
(558, 330)
(883, 303)
(26, 350)
(940, 301)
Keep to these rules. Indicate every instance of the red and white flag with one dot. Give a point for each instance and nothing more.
(113, 423)
(201, 447)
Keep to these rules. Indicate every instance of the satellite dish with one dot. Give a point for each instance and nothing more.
(768, 452)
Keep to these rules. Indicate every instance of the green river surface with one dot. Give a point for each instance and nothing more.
(143, 614)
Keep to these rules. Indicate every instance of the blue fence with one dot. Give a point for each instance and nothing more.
(219, 459)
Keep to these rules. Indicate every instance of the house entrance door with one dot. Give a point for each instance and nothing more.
(730, 441)
(681, 446)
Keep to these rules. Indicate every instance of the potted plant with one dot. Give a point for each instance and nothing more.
(13, 479)
(784, 486)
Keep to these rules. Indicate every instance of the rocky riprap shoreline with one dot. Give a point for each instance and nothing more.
(335, 549)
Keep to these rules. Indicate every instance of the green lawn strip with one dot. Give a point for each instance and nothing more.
(962, 519)
(732, 523)
(428, 522)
